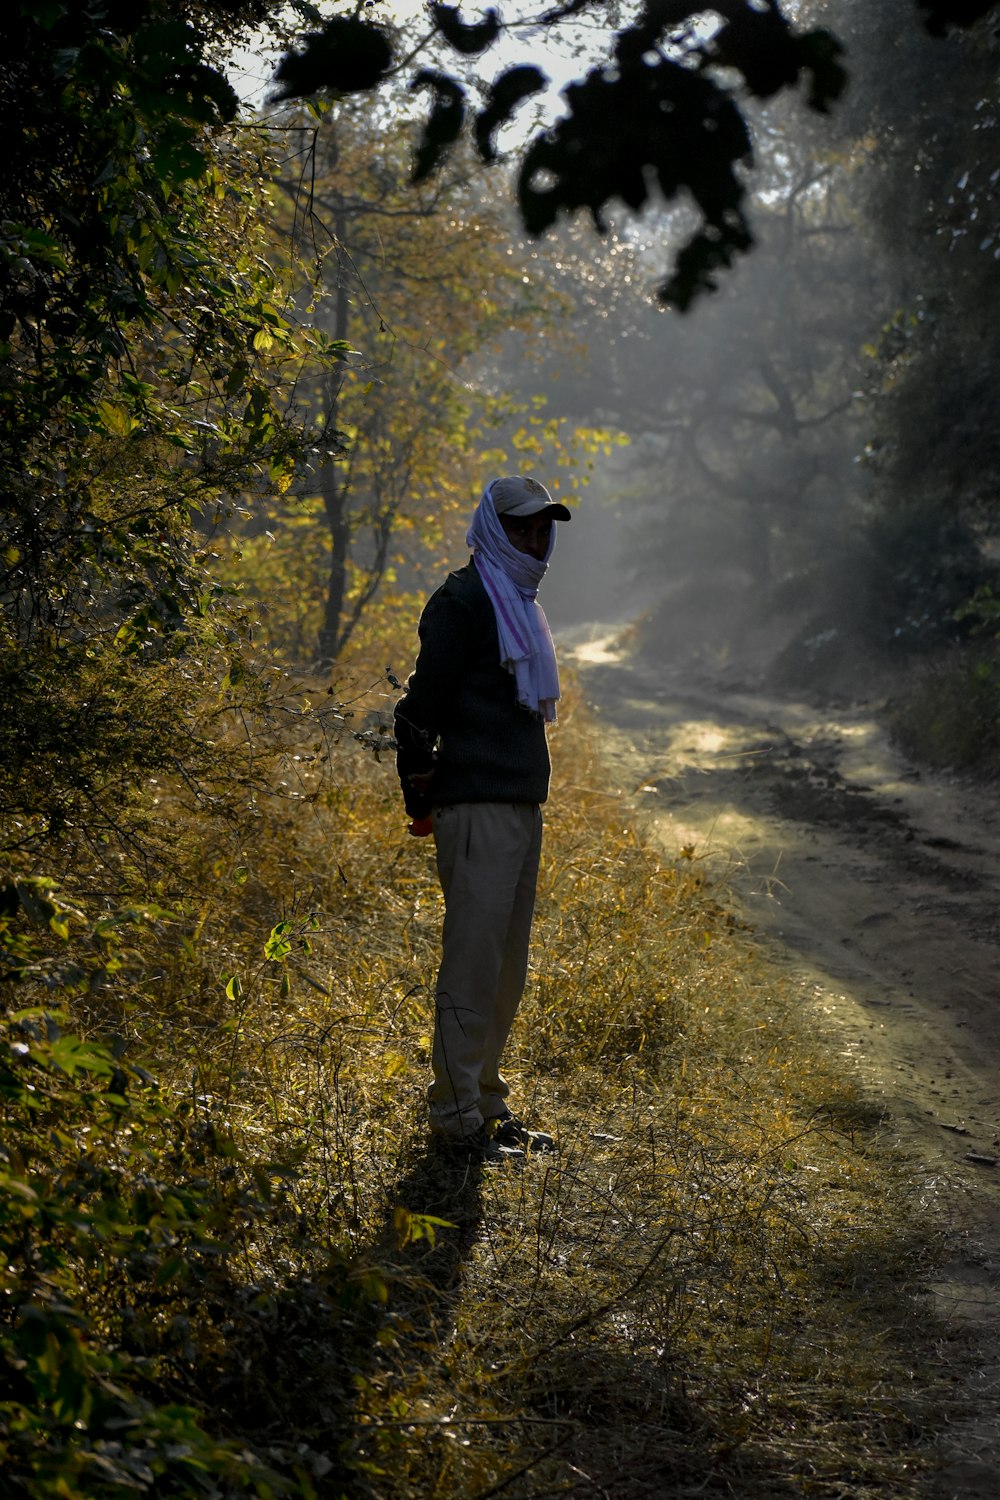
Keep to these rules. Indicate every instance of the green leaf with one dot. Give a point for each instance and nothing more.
(174, 1268)
(278, 945)
(73, 1055)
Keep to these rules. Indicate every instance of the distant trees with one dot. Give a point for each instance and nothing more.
(419, 282)
(817, 435)
(159, 366)
(932, 192)
(743, 418)
(752, 429)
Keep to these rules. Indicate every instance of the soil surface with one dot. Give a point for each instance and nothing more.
(877, 888)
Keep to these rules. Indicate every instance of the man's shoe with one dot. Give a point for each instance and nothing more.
(480, 1145)
(509, 1131)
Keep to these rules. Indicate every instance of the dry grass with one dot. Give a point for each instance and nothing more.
(704, 1293)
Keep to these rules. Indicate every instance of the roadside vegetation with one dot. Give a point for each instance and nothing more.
(234, 1267)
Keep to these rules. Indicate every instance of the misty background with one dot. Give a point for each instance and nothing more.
(809, 483)
(796, 479)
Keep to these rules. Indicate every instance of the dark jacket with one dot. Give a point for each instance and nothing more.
(460, 715)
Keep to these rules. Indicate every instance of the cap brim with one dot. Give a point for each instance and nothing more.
(551, 508)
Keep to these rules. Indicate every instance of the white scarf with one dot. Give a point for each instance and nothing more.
(511, 580)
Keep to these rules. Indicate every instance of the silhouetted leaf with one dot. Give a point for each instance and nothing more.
(505, 95)
(759, 45)
(443, 123)
(940, 14)
(467, 39)
(347, 56)
(821, 54)
(649, 121)
(701, 257)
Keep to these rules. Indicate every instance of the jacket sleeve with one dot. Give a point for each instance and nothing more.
(447, 633)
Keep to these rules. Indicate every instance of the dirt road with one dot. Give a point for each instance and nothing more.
(878, 889)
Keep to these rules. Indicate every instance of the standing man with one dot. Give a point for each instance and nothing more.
(474, 765)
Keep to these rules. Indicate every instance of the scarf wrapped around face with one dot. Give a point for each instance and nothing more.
(511, 580)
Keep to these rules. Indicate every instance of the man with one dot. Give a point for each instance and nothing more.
(474, 764)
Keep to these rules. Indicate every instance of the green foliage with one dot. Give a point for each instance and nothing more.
(909, 572)
(146, 336)
(46, 941)
(426, 286)
(983, 610)
(107, 1230)
(148, 346)
(111, 135)
(948, 715)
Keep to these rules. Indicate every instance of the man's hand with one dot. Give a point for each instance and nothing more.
(420, 781)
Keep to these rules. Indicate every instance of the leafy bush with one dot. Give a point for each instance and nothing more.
(948, 716)
(107, 1230)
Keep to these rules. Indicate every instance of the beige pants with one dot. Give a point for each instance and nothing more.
(487, 858)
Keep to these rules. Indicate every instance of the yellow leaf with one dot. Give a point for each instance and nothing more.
(115, 419)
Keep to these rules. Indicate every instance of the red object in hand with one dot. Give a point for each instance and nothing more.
(421, 827)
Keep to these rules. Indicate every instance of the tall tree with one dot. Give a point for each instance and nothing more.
(921, 123)
(422, 283)
(146, 344)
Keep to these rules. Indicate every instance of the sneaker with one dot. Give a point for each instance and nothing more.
(481, 1146)
(509, 1131)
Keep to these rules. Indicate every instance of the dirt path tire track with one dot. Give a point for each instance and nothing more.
(877, 888)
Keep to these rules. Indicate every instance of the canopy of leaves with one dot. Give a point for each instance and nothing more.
(662, 113)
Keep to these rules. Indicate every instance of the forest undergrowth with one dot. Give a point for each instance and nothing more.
(233, 1265)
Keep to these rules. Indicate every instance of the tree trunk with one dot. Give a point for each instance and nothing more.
(334, 498)
(333, 490)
